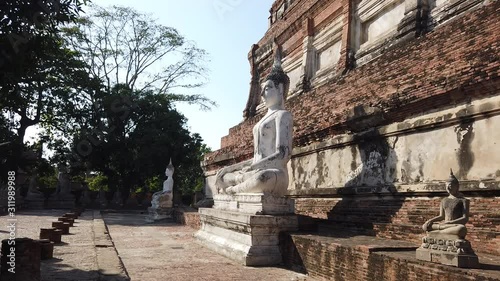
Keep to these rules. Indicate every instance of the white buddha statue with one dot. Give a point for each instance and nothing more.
(272, 135)
(63, 182)
(33, 192)
(163, 198)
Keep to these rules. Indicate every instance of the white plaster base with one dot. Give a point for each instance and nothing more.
(254, 203)
(250, 239)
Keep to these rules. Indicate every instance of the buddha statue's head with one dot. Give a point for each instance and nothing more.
(452, 184)
(170, 169)
(277, 83)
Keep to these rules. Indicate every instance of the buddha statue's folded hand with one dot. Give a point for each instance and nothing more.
(427, 226)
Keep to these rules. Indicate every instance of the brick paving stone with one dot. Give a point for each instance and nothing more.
(168, 251)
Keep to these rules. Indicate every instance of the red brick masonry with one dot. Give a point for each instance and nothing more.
(401, 218)
(456, 62)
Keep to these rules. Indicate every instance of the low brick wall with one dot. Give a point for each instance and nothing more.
(400, 217)
(323, 258)
(187, 216)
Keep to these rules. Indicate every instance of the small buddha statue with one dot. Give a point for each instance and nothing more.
(163, 198)
(454, 214)
(445, 241)
(272, 135)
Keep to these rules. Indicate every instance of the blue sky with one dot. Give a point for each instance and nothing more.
(226, 29)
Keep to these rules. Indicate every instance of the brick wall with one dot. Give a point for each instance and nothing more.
(401, 218)
(326, 260)
(189, 217)
(453, 64)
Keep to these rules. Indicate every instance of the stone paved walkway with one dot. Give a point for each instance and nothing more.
(168, 251)
(77, 258)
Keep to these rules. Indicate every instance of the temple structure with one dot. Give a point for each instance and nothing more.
(385, 96)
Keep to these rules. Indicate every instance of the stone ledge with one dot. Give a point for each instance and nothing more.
(245, 219)
(357, 257)
(486, 187)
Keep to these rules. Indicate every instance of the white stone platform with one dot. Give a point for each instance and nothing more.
(246, 227)
(157, 214)
(251, 203)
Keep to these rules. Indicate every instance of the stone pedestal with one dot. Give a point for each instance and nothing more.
(46, 233)
(26, 260)
(64, 226)
(161, 207)
(70, 215)
(46, 249)
(157, 214)
(56, 236)
(455, 252)
(68, 220)
(246, 227)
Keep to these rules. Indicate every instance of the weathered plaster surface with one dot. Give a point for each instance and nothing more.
(409, 152)
(417, 151)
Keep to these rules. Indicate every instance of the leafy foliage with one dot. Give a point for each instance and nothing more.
(98, 182)
(153, 184)
(125, 47)
(99, 92)
(37, 74)
(47, 176)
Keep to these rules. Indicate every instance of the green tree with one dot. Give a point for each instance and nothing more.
(98, 182)
(139, 142)
(125, 47)
(34, 65)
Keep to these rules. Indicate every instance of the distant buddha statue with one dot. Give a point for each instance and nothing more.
(33, 192)
(272, 135)
(163, 198)
(454, 213)
(63, 182)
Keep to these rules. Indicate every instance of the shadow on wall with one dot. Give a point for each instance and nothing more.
(369, 197)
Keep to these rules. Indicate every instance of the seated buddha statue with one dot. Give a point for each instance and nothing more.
(163, 198)
(453, 214)
(272, 137)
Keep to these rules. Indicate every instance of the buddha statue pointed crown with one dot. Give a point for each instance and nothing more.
(452, 179)
(277, 75)
(170, 168)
